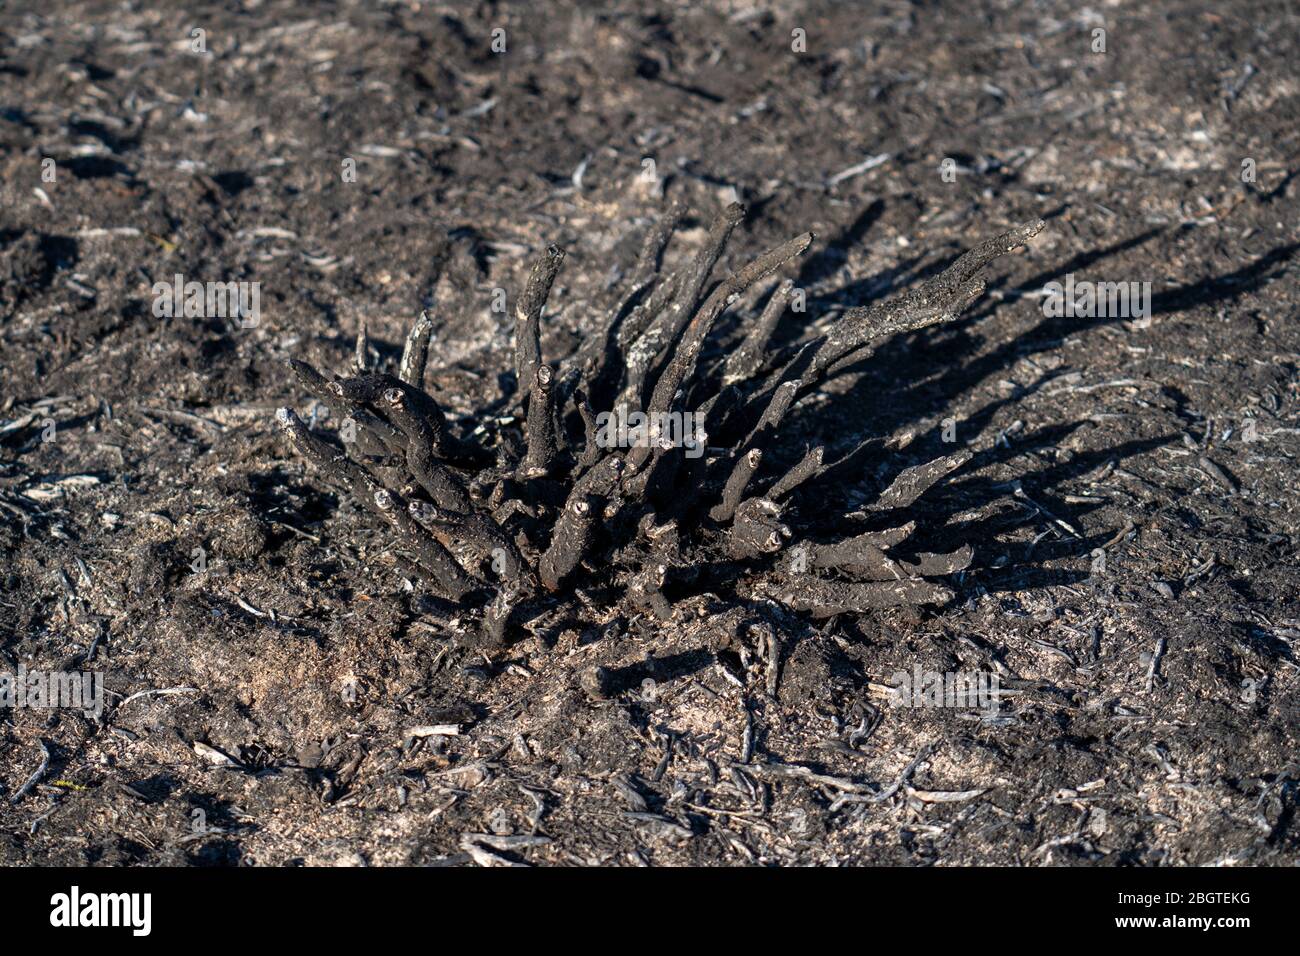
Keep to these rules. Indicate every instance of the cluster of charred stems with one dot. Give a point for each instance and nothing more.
(499, 514)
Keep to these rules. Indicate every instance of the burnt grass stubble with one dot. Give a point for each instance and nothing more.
(292, 700)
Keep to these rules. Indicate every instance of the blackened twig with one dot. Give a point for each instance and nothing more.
(737, 481)
(668, 324)
(36, 777)
(528, 314)
(415, 356)
(540, 458)
(569, 540)
(446, 573)
(687, 352)
(940, 299)
(747, 358)
(828, 598)
(807, 466)
(913, 482)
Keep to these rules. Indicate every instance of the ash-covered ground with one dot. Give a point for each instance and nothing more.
(273, 677)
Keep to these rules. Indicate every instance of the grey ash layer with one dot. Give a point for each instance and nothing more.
(499, 516)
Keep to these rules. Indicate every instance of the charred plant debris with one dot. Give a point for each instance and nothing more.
(639, 464)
